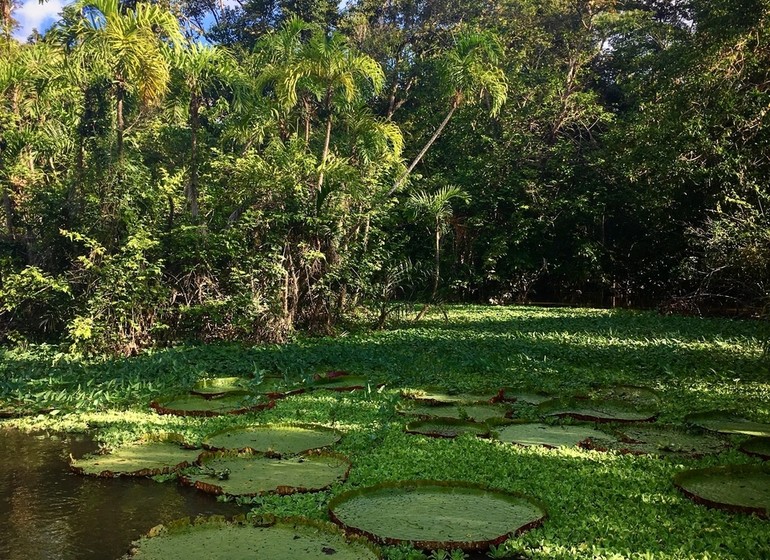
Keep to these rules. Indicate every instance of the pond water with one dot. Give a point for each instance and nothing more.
(48, 513)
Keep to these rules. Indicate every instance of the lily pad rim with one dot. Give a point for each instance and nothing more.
(745, 447)
(167, 437)
(409, 428)
(550, 408)
(426, 483)
(283, 490)
(682, 476)
(160, 408)
(185, 524)
(278, 425)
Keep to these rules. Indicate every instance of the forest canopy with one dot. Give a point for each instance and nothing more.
(182, 169)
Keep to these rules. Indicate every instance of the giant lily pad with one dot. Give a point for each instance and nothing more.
(435, 515)
(253, 474)
(214, 539)
(737, 488)
(528, 434)
(196, 405)
(643, 397)
(437, 396)
(447, 428)
(218, 386)
(274, 439)
(668, 441)
(758, 447)
(510, 394)
(472, 412)
(340, 381)
(726, 422)
(596, 410)
(148, 458)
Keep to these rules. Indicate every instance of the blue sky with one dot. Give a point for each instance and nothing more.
(34, 15)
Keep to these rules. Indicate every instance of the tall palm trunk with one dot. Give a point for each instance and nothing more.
(192, 185)
(120, 123)
(453, 107)
(325, 153)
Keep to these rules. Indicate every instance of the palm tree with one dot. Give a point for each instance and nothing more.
(131, 46)
(472, 69)
(437, 208)
(199, 66)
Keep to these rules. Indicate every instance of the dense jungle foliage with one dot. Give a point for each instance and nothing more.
(183, 169)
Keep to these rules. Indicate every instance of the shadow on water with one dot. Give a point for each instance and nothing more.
(48, 513)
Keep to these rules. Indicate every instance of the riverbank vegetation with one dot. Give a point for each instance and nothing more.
(600, 504)
(185, 171)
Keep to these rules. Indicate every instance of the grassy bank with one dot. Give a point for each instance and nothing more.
(601, 505)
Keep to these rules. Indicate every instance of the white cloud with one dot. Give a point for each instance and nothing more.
(34, 15)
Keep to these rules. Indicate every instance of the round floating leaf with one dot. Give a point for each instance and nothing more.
(632, 394)
(437, 396)
(596, 410)
(668, 441)
(214, 539)
(726, 422)
(196, 405)
(148, 458)
(758, 447)
(435, 515)
(509, 394)
(737, 488)
(274, 439)
(472, 412)
(341, 382)
(252, 474)
(447, 428)
(526, 433)
(218, 386)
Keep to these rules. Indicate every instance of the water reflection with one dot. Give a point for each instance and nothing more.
(47, 513)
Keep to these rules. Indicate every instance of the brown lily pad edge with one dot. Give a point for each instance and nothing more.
(440, 396)
(597, 410)
(208, 407)
(281, 490)
(667, 440)
(169, 438)
(727, 422)
(209, 446)
(684, 479)
(757, 447)
(364, 547)
(451, 486)
(448, 428)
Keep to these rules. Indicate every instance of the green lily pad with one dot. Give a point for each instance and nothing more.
(215, 539)
(435, 515)
(196, 405)
(253, 474)
(274, 439)
(736, 488)
(218, 386)
(446, 428)
(530, 433)
(726, 422)
(758, 447)
(149, 458)
(472, 412)
(668, 441)
(437, 396)
(596, 410)
(643, 397)
(509, 394)
(341, 382)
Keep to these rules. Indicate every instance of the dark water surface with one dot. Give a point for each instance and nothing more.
(47, 513)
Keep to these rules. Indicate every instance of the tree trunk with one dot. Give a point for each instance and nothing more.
(325, 153)
(8, 208)
(192, 185)
(439, 130)
(436, 272)
(120, 122)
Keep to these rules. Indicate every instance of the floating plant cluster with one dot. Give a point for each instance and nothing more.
(258, 459)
